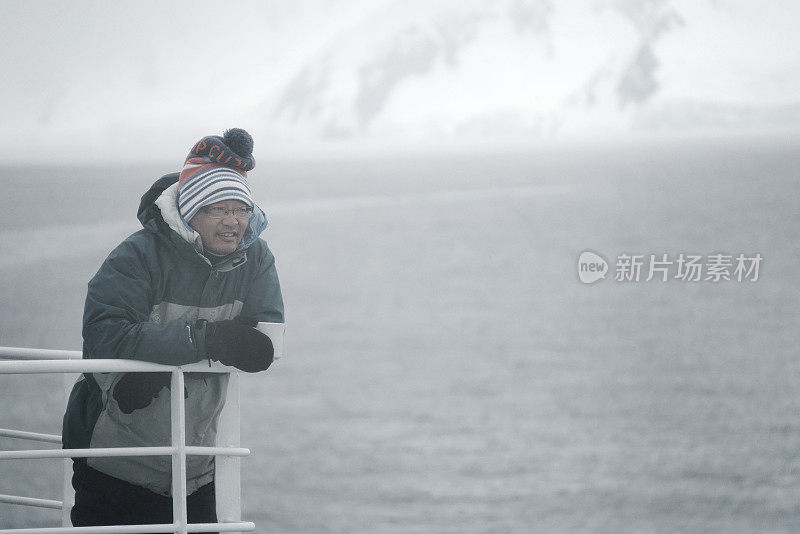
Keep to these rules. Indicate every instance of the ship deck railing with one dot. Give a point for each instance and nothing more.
(227, 452)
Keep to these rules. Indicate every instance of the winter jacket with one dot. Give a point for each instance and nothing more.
(143, 304)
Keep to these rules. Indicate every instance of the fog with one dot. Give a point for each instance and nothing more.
(100, 81)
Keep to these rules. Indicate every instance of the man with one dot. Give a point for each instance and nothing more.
(189, 286)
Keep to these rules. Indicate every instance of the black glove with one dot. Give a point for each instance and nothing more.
(135, 391)
(236, 342)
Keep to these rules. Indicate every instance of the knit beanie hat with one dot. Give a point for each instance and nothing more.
(216, 170)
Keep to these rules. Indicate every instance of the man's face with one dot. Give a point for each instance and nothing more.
(219, 227)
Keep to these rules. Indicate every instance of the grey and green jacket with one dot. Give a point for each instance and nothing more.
(143, 304)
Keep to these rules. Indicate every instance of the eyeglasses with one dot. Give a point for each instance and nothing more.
(218, 212)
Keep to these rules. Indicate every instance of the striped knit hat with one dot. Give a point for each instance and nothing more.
(215, 170)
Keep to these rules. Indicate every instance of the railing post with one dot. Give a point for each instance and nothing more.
(68, 497)
(179, 517)
(227, 469)
(68, 494)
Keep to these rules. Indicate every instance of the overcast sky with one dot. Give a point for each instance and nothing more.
(82, 78)
(77, 72)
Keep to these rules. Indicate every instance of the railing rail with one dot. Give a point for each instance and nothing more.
(21, 353)
(41, 361)
(30, 501)
(32, 436)
(242, 526)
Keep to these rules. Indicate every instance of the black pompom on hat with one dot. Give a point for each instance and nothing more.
(239, 141)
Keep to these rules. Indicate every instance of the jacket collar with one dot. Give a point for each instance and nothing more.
(167, 202)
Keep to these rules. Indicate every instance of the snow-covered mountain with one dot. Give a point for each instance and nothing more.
(516, 69)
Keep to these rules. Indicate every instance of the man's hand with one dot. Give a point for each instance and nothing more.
(236, 342)
(135, 391)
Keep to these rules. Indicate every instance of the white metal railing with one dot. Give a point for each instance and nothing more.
(227, 451)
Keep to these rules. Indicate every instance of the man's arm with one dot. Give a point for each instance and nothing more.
(116, 316)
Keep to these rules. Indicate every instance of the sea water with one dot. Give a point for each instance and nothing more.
(445, 369)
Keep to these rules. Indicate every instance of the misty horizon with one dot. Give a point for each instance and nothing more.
(317, 78)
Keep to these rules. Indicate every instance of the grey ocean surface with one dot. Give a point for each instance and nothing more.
(446, 370)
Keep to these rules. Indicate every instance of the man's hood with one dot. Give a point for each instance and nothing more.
(158, 212)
